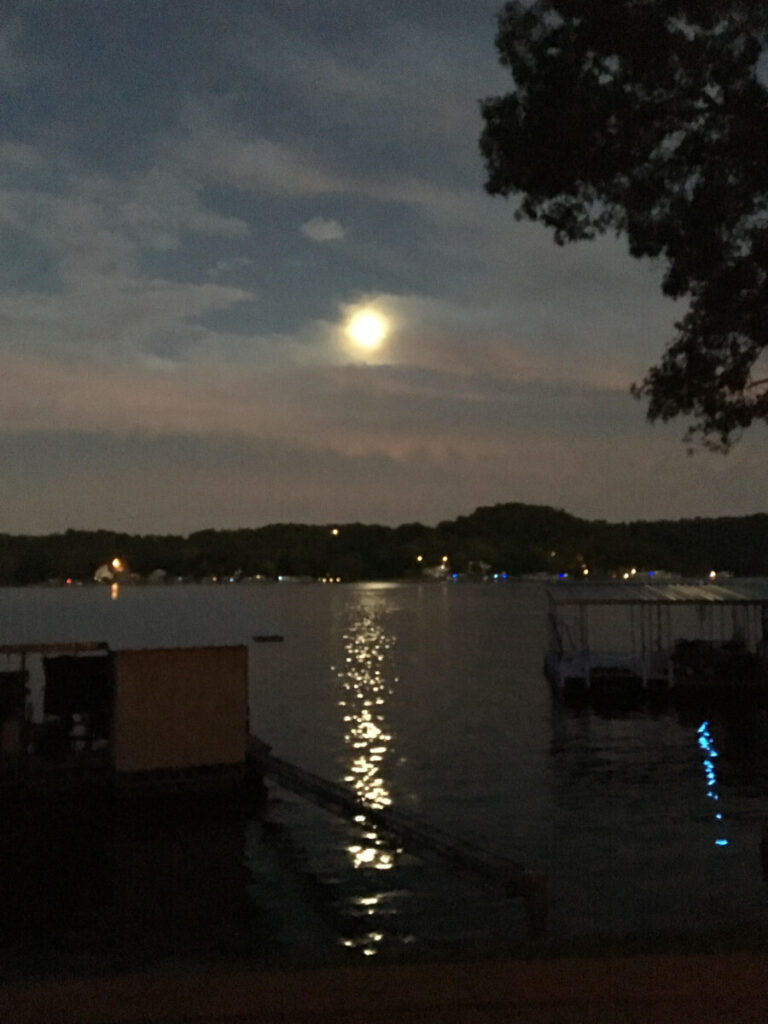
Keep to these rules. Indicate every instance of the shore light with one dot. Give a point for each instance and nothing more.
(445, 558)
(335, 531)
(117, 565)
(419, 558)
(712, 574)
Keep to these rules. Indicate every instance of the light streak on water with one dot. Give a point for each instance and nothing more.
(367, 737)
(708, 763)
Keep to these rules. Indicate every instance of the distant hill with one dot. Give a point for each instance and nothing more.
(511, 538)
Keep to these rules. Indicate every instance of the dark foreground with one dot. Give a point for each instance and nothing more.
(647, 988)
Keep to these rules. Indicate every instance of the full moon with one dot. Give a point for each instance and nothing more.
(367, 329)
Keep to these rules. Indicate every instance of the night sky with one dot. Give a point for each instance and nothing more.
(197, 200)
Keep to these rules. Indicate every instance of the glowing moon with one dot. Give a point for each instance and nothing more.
(367, 329)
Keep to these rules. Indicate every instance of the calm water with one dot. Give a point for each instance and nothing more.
(430, 698)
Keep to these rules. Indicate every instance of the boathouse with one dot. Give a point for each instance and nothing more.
(632, 638)
(124, 718)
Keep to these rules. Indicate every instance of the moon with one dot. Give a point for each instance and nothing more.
(367, 329)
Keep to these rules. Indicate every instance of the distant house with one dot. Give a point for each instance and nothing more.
(435, 572)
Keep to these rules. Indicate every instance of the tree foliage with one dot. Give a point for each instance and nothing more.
(650, 118)
(510, 538)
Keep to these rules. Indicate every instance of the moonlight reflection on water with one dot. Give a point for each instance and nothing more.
(365, 685)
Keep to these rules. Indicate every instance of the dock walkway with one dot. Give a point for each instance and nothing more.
(419, 835)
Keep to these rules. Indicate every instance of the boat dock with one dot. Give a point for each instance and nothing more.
(625, 639)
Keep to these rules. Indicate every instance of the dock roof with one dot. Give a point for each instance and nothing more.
(65, 647)
(734, 591)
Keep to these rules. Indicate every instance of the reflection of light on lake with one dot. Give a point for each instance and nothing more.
(367, 737)
(114, 591)
(708, 763)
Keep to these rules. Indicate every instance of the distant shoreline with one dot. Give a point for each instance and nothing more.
(511, 540)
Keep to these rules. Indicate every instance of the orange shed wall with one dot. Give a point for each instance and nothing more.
(180, 708)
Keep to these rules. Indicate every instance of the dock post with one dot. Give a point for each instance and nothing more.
(532, 886)
(643, 650)
(584, 637)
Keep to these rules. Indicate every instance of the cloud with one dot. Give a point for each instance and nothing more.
(19, 154)
(93, 225)
(161, 205)
(219, 153)
(94, 232)
(209, 146)
(321, 230)
(230, 265)
(359, 411)
(15, 70)
(113, 320)
(504, 344)
(180, 483)
(431, 100)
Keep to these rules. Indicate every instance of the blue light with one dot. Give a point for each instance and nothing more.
(705, 743)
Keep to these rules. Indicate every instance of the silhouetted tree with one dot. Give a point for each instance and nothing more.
(650, 118)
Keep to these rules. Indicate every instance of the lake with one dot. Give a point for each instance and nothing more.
(425, 697)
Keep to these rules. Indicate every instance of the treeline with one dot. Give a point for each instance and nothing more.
(512, 538)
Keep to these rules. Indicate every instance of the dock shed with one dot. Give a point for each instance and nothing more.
(180, 708)
(125, 717)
